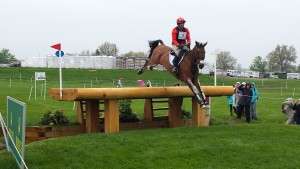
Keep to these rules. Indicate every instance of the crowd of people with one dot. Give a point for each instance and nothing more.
(243, 101)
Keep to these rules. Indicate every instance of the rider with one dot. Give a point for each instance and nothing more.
(180, 37)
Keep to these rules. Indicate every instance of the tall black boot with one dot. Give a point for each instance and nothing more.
(175, 64)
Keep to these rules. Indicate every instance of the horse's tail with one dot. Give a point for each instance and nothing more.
(153, 45)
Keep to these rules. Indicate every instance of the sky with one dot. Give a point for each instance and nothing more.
(245, 28)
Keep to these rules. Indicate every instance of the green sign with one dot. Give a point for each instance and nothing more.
(16, 118)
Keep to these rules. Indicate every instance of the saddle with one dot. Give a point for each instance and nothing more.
(182, 54)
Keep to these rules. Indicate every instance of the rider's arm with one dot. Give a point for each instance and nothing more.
(174, 37)
(188, 38)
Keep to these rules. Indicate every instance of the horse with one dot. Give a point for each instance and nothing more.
(188, 68)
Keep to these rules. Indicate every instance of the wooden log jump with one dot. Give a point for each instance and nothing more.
(112, 95)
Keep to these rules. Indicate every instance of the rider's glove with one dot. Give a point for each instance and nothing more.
(179, 46)
(188, 45)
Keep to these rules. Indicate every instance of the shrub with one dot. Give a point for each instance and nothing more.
(125, 110)
(186, 114)
(56, 117)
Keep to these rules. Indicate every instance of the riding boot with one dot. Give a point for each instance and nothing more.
(175, 64)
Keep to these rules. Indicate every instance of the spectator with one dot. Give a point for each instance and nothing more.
(148, 84)
(141, 83)
(120, 82)
(253, 104)
(230, 102)
(236, 97)
(287, 109)
(297, 112)
(244, 102)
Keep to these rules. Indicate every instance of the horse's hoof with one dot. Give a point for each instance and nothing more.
(205, 106)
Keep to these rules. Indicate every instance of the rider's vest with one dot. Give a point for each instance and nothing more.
(181, 35)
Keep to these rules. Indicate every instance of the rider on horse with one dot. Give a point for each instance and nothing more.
(180, 39)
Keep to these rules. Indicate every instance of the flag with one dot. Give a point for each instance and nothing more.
(57, 46)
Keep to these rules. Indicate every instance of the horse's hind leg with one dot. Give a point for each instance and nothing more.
(142, 69)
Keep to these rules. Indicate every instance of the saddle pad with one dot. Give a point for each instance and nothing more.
(171, 57)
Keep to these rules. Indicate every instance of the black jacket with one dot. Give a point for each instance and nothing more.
(297, 110)
(246, 97)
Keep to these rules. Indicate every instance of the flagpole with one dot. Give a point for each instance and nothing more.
(60, 76)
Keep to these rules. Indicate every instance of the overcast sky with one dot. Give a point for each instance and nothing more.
(245, 28)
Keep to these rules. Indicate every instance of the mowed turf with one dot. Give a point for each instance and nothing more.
(227, 143)
(232, 146)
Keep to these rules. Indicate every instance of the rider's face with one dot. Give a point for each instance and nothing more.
(181, 25)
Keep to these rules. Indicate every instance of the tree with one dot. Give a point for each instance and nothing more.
(225, 60)
(238, 67)
(108, 49)
(85, 53)
(298, 68)
(281, 58)
(6, 57)
(135, 54)
(259, 64)
(97, 53)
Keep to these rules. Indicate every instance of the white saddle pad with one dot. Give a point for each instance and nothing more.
(171, 57)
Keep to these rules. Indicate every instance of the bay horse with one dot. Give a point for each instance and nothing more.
(188, 69)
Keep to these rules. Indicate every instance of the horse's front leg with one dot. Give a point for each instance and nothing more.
(201, 91)
(194, 90)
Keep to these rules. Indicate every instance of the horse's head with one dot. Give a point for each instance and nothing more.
(199, 53)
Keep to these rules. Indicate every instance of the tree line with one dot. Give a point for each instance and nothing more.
(281, 59)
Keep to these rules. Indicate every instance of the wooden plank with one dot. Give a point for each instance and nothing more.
(161, 108)
(136, 92)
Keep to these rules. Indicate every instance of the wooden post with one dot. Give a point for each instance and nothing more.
(175, 114)
(111, 114)
(92, 116)
(80, 111)
(198, 114)
(148, 110)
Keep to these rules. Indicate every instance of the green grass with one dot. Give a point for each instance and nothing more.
(265, 143)
(22, 82)
(231, 146)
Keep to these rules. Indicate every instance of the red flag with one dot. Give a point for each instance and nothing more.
(57, 46)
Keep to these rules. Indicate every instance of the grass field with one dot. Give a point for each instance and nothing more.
(228, 143)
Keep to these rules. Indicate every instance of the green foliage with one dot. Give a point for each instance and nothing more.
(108, 49)
(56, 117)
(125, 110)
(186, 114)
(259, 64)
(282, 58)
(135, 54)
(5, 56)
(225, 61)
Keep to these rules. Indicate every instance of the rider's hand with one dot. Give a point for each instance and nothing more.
(179, 46)
(188, 45)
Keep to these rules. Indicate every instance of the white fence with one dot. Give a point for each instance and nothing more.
(84, 62)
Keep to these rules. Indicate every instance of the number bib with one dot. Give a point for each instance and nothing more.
(181, 35)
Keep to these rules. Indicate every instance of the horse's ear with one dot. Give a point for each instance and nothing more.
(197, 43)
(205, 44)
